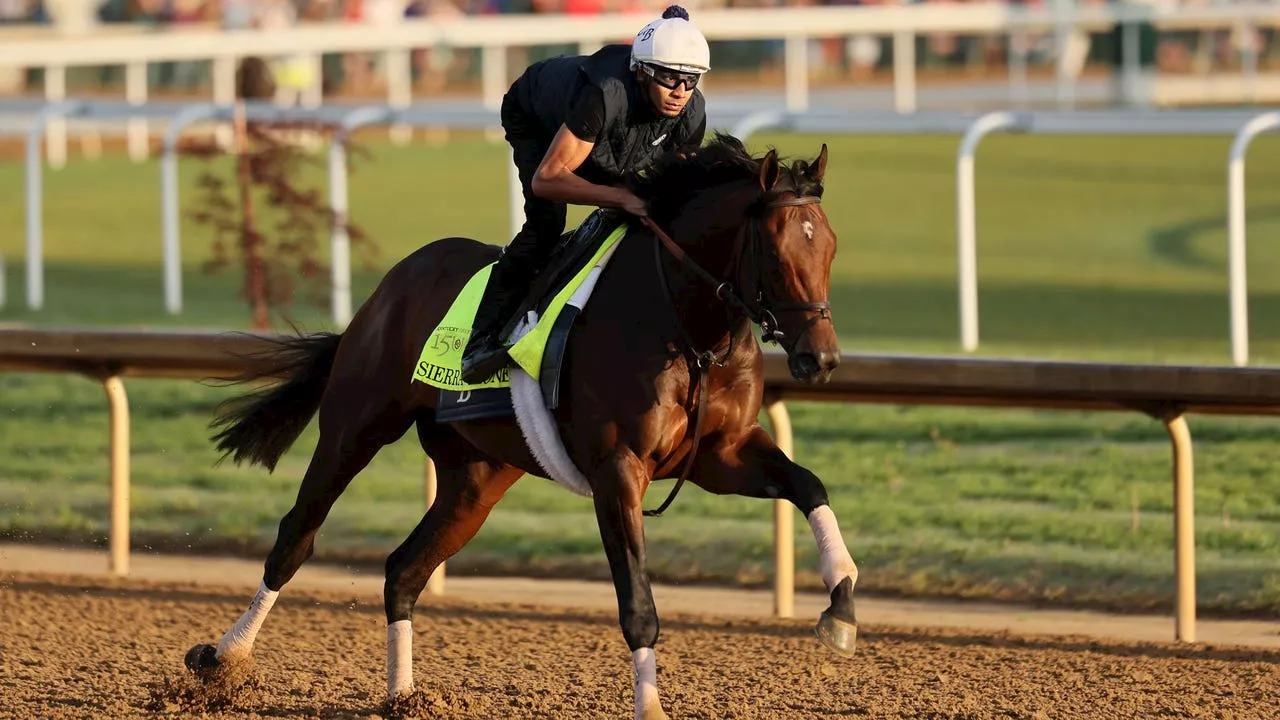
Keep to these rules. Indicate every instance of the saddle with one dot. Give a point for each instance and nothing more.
(573, 249)
(555, 299)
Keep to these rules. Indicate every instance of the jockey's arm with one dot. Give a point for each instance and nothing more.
(556, 181)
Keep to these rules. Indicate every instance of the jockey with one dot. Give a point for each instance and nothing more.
(576, 126)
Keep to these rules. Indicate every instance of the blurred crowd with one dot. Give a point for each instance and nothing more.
(433, 68)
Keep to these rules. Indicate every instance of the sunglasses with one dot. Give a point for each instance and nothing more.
(671, 79)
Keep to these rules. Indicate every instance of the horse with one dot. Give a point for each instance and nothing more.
(662, 371)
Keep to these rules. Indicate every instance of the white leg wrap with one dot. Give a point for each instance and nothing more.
(399, 658)
(646, 671)
(836, 560)
(238, 641)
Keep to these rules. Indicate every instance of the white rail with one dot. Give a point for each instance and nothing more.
(1244, 125)
(1235, 233)
(493, 34)
(1161, 391)
(967, 222)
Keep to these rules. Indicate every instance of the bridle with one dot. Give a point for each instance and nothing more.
(760, 309)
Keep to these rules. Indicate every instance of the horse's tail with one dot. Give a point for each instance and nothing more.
(260, 426)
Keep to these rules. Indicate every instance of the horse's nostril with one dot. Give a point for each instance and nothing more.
(805, 365)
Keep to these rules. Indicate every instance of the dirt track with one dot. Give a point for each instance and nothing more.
(96, 647)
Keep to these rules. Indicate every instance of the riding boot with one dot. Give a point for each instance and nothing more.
(485, 353)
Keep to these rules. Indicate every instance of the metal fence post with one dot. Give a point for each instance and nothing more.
(118, 402)
(35, 199)
(435, 583)
(784, 521)
(1236, 231)
(135, 90)
(169, 230)
(339, 240)
(796, 72)
(967, 223)
(904, 71)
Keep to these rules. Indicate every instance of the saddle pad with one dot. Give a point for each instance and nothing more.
(440, 363)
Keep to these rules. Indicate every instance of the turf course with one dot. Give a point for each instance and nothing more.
(1089, 248)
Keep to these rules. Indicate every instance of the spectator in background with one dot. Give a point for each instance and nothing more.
(237, 14)
(433, 65)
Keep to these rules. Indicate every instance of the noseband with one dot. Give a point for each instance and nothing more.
(760, 310)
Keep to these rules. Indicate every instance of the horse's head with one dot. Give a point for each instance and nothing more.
(791, 245)
(762, 222)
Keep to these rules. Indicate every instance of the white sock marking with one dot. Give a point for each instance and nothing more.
(646, 681)
(399, 658)
(238, 641)
(836, 560)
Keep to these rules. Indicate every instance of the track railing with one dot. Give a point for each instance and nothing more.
(1164, 392)
(971, 128)
(1244, 126)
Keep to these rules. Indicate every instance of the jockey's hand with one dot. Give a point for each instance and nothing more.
(632, 204)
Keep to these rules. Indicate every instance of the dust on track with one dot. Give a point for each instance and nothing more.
(74, 646)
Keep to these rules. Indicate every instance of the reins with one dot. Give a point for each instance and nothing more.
(762, 315)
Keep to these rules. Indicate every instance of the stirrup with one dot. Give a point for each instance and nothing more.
(484, 362)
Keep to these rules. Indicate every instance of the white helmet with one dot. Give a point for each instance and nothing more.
(672, 42)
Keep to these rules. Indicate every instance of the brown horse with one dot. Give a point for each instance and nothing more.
(662, 372)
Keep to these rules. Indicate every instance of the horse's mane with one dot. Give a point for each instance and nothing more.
(675, 178)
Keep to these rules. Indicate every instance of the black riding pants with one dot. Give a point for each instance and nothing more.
(544, 220)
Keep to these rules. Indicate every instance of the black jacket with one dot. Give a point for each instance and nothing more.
(633, 135)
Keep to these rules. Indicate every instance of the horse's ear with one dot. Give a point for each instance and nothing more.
(819, 167)
(769, 171)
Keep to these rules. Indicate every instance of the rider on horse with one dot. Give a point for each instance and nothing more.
(576, 126)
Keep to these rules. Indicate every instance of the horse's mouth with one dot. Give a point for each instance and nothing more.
(813, 367)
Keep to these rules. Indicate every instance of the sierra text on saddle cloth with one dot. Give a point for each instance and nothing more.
(577, 125)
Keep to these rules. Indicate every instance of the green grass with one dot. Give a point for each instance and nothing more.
(1087, 247)
(1096, 248)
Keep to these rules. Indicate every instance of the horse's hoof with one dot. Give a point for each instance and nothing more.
(838, 626)
(202, 659)
(837, 634)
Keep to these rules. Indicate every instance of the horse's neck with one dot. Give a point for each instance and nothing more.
(706, 318)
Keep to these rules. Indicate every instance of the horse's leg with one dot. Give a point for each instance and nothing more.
(617, 489)
(349, 438)
(469, 487)
(755, 467)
